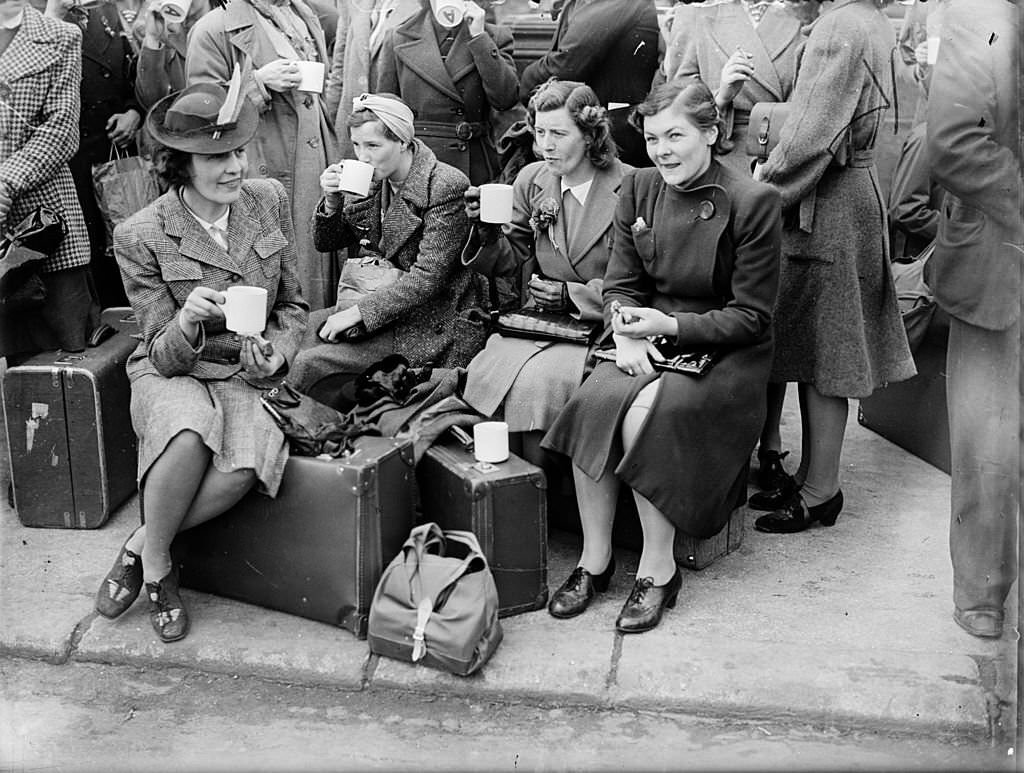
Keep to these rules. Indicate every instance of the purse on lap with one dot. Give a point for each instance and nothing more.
(693, 363)
(531, 322)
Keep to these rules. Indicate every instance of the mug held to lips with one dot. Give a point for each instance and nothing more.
(245, 309)
(355, 177)
(495, 203)
(175, 10)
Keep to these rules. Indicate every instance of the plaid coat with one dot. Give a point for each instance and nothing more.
(434, 308)
(164, 253)
(39, 111)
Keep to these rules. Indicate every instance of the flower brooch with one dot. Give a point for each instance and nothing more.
(544, 214)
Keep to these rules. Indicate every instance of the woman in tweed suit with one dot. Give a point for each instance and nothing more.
(40, 67)
(204, 438)
(413, 217)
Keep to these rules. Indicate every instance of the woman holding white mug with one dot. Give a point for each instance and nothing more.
(204, 438)
(410, 221)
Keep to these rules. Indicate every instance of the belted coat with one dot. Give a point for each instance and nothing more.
(452, 98)
(837, 323)
(295, 141)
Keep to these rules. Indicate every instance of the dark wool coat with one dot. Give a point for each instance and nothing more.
(973, 136)
(432, 314)
(707, 255)
(837, 323)
(41, 68)
(703, 38)
(612, 46)
(479, 75)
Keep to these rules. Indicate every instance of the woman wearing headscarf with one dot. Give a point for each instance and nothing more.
(412, 218)
(295, 140)
(838, 330)
(452, 69)
(204, 438)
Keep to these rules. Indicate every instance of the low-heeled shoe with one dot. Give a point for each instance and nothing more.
(574, 595)
(796, 516)
(776, 497)
(770, 474)
(984, 623)
(166, 611)
(647, 602)
(122, 584)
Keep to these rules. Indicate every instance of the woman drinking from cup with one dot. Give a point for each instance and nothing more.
(694, 265)
(204, 438)
(560, 234)
(409, 219)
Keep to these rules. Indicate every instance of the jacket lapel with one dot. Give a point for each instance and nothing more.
(549, 186)
(460, 60)
(777, 30)
(416, 47)
(193, 241)
(729, 24)
(599, 208)
(401, 220)
(30, 51)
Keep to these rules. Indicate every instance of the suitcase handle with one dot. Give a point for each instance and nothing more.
(464, 438)
(68, 359)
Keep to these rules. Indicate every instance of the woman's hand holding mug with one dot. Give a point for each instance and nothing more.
(330, 184)
(279, 75)
(471, 200)
(201, 305)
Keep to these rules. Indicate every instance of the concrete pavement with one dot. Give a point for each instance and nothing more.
(845, 627)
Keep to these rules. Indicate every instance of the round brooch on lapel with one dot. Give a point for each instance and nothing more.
(706, 210)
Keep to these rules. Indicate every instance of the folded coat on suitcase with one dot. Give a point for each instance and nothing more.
(505, 507)
(318, 549)
(69, 434)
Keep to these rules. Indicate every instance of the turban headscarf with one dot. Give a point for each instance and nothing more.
(393, 114)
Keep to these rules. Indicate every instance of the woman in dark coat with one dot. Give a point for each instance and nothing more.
(413, 217)
(452, 77)
(838, 331)
(695, 259)
(529, 381)
(204, 438)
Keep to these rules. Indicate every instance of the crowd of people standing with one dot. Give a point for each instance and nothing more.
(637, 208)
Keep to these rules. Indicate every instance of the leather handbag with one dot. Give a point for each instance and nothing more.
(312, 428)
(23, 249)
(436, 603)
(693, 363)
(362, 276)
(531, 322)
(765, 129)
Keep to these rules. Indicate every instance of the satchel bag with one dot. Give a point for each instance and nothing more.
(693, 363)
(123, 185)
(765, 128)
(436, 603)
(531, 322)
(362, 276)
(23, 249)
(312, 428)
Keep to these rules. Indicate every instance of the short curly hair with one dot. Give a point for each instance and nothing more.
(693, 98)
(586, 111)
(172, 166)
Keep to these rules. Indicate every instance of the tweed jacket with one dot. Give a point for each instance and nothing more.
(431, 306)
(973, 125)
(580, 262)
(611, 45)
(164, 253)
(705, 35)
(478, 75)
(39, 112)
(295, 141)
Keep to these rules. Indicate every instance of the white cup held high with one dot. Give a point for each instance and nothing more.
(496, 203)
(245, 309)
(355, 177)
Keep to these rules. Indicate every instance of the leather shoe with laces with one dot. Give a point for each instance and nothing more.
(776, 497)
(795, 516)
(166, 610)
(770, 473)
(647, 602)
(574, 595)
(122, 584)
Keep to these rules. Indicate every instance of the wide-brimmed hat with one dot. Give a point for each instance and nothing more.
(191, 120)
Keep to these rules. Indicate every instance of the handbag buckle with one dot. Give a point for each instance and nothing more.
(762, 134)
(419, 644)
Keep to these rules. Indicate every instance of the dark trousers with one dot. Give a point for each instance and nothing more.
(983, 368)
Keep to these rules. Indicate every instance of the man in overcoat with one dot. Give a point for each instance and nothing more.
(974, 153)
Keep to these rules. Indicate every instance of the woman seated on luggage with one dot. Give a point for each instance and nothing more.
(413, 219)
(204, 438)
(561, 235)
(694, 259)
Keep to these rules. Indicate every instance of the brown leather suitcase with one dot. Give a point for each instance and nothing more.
(913, 413)
(505, 507)
(318, 549)
(70, 436)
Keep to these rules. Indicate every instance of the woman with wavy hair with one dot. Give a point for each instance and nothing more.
(560, 236)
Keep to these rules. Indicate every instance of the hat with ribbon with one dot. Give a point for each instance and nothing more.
(204, 118)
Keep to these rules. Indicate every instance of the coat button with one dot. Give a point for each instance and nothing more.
(263, 169)
(236, 277)
(462, 146)
(313, 142)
